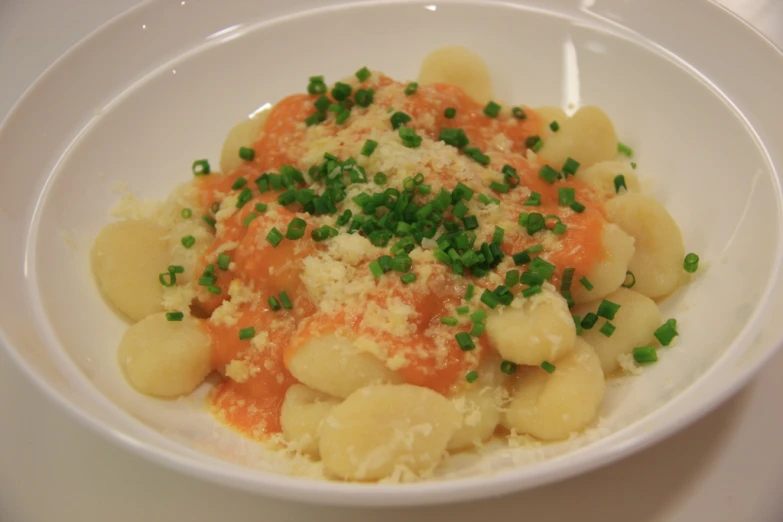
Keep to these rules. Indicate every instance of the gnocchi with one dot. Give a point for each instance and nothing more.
(658, 247)
(635, 322)
(302, 414)
(396, 272)
(165, 358)
(333, 365)
(380, 428)
(553, 406)
(127, 259)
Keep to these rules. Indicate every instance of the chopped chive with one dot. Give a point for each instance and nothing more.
(451, 321)
(261, 207)
(398, 119)
(490, 299)
(510, 175)
(559, 229)
(589, 321)
(274, 304)
(691, 263)
(518, 113)
(619, 182)
(577, 324)
(607, 329)
(176, 269)
(285, 301)
(498, 234)
(375, 268)
(501, 188)
(315, 118)
(200, 167)
(450, 112)
(568, 277)
(239, 183)
(411, 88)
(454, 137)
(586, 283)
(462, 310)
(322, 104)
(548, 367)
(535, 223)
(186, 213)
(214, 207)
(472, 376)
(364, 97)
(554, 126)
(167, 279)
(633, 165)
(223, 260)
(408, 278)
(477, 330)
(508, 367)
(534, 200)
(629, 283)
(214, 290)
(379, 178)
(244, 197)
(577, 207)
(409, 137)
(188, 241)
(247, 154)
(476, 155)
(363, 74)
(465, 342)
(341, 91)
(548, 174)
(342, 115)
(249, 219)
(624, 149)
(296, 228)
(274, 236)
(531, 291)
(316, 85)
(531, 141)
(469, 292)
(666, 332)
(369, 147)
(644, 354)
(174, 316)
(247, 333)
(538, 146)
(570, 167)
(512, 278)
(607, 309)
(470, 222)
(492, 109)
(478, 316)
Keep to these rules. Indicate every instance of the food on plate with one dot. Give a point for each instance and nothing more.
(383, 273)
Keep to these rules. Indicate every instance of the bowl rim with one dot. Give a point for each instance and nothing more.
(296, 488)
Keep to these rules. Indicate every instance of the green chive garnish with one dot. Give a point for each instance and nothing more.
(174, 316)
(570, 167)
(411, 88)
(223, 260)
(624, 149)
(188, 241)
(285, 301)
(554, 126)
(645, 354)
(508, 367)
(451, 321)
(274, 304)
(185, 213)
(247, 333)
(363, 74)
(492, 109)
(471, 376)
(607, 329)
(548, 367)
(408, 278)
(691, 263)
(465, 342)
(666, 332)
(274, 236)
(586, 283)
(247, 154)
(450, 112)
(296, 229)
(518, 113)
(200, 167)
(607, 309)
(619, 182)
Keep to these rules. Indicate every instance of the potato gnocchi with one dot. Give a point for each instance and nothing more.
(385, 273)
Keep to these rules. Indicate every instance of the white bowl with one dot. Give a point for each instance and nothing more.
(689, 86)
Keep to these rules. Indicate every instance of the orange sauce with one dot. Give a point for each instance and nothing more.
(253, 405)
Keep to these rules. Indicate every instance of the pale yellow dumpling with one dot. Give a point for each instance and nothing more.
(165, 358)
(127, 260)
(301, 415)
(458, 66)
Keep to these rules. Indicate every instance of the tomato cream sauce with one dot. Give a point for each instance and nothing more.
(431, 356)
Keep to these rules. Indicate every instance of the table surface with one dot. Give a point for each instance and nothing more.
(726, 467)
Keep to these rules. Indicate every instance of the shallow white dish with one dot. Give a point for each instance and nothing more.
(87, 125)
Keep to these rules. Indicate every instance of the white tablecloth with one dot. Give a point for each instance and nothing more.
(727, 467)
